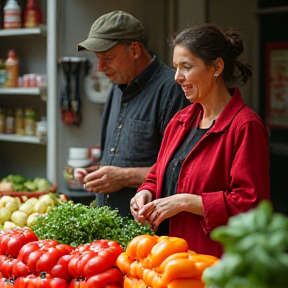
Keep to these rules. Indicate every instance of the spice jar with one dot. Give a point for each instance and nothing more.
(9, 122)
(19, 122)
(30, 122)
(32, 14)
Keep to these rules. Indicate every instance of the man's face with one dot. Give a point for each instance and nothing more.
(118, 63)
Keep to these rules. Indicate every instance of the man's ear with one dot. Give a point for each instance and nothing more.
(136, 49)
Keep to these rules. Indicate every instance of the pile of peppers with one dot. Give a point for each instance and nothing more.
(26, 262)
(162, 262)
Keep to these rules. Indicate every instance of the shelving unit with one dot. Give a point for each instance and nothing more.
(43, 148)
(41, 30)
(23, 139)
(24, 91)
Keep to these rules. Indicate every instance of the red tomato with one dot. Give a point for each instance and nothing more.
(6, 265)
(101, 255)
(110, 278)
(26, 250)
(60, 270)
(11, 241)
(77, 283)
(20, 269)
(43, 255)
(50, 257)
(6, 283)
(44, 280)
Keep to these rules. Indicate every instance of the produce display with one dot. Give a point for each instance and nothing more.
(26, 262)
(77, 224)
(17, 182)
(149, 261)
(22, 211)
(162, 262)
(256, 251)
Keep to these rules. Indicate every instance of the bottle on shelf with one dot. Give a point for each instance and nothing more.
(12, 15)
(9, 122)
(30, 122)
(32, 14)
(2, 120)
(12, 70)
(19, 122)
(2, 73)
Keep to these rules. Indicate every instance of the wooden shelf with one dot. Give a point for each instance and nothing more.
(23, 139)
(41, 30)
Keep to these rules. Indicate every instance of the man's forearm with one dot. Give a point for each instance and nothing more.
(135, 176)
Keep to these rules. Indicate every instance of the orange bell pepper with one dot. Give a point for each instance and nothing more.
(178, 269)
(175, 256)
(202, 261)
(132, 282)
(186, 283)
(140, 246)
(123, 262)
(152, 279)
(165, 247)
(136, 269)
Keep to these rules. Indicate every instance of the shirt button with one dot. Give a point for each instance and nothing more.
(124, 104)
(119, 126)
(112, 149)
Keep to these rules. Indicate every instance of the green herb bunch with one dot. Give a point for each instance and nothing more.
(255, 251)
(77, 224)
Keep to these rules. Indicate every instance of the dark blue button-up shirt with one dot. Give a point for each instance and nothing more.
(133, 123)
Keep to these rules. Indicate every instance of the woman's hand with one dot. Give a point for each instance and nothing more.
(137, 203)
(160, 209)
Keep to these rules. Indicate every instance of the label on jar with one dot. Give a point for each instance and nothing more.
(19, 122)
(30, 122)
(10, 124)
(12, 19)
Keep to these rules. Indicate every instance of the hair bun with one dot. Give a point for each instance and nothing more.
(235, 44)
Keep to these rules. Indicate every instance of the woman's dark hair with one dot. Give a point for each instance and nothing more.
(209, 43)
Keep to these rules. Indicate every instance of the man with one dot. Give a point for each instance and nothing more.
(143, 99)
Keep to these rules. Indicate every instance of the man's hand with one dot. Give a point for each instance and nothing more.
(106, 179)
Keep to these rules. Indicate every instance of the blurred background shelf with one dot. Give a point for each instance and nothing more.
(23, 139)
(41, 30)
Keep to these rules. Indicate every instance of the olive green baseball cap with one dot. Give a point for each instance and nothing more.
(108, 30)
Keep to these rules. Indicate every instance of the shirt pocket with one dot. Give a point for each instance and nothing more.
(141, 143)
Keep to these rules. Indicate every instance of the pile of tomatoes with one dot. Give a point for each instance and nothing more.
(27, 262)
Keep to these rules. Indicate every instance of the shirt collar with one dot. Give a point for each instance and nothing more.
(145, 76)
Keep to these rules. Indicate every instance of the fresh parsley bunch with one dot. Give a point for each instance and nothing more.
(77, 224)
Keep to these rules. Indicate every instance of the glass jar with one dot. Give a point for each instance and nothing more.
(30, 122)
(19, 121)
(9, 122)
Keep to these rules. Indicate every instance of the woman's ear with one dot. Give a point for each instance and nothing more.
(218, 67)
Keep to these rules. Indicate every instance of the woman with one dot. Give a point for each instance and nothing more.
(214, 159)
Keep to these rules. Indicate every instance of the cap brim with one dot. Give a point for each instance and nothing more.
(97, 44)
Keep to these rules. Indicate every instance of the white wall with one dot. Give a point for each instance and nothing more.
(240, 14)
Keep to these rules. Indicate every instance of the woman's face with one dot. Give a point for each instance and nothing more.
(195, 78)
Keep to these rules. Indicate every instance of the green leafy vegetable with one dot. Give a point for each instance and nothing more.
(77, 224)
(256, 251)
